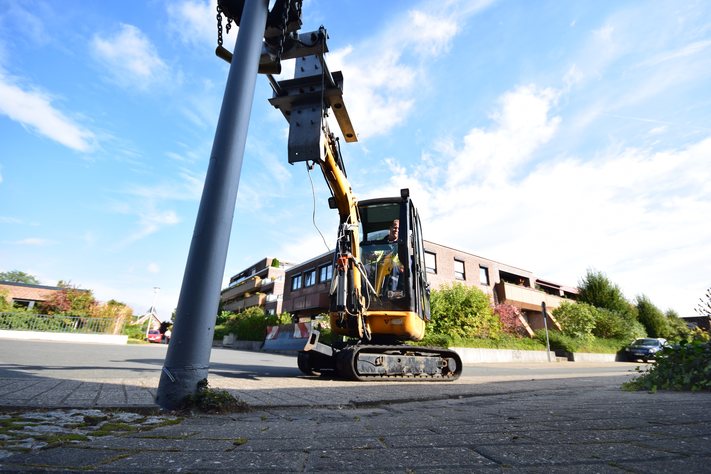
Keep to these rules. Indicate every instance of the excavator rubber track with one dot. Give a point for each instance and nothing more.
(401, 363)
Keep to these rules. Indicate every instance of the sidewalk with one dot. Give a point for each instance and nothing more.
(549, 425)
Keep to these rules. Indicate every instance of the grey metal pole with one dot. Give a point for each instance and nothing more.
(545, 324)
(188, 357)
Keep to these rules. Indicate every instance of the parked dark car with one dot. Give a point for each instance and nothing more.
(645, 348)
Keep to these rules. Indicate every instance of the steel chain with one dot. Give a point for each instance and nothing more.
(282, 30)
(219, 25)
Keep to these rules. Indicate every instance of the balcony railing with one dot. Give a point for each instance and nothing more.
(245, 287)
(526, 298)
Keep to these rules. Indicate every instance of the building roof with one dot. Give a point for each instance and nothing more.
(25, 291)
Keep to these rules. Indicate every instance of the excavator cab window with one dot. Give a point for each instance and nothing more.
(384, 259)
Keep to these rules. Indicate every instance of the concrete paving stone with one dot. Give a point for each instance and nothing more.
(195, 461)
(583, 436)
(538, 454)
(393, 459)
(598, 467)
(163, 444)
(685, 465)
(688, 446)
(305, 443)
(65, 457)
(702, 429)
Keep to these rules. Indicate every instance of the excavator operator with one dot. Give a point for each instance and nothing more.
(383, 264)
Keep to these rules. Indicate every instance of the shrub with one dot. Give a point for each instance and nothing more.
(558, 340)
(608, 324)
(510, 318)
(687, 367)
(463, 311)
(223, 317)
(678, 330)
(134, 331)
(71, 302)
(652, 318)
(577, 320)
(595, 289)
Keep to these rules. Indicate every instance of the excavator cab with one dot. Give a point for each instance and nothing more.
(392, 254)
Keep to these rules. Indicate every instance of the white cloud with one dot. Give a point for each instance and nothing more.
(10, 220)
(194, 22)
(130, 59)
(33, 109)
(150, 223)
(153, 268)
(33, 241)
(522, 125)
(687, 50)
(379, 87)
(631, 212)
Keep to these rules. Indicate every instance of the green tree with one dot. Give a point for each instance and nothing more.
(576, 319)
(679, 331)
(652, 318)
(275, 262)
(597, 290)
(16, 276)
(463, 311)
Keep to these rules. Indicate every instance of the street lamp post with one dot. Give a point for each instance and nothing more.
(152, 311)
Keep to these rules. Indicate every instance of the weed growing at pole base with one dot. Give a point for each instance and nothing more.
(210, 400)
(684, 367)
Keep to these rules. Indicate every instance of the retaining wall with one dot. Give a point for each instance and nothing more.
(63, 337)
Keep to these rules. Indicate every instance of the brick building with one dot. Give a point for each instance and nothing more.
(24, 294)
(261, 284)
(307, 284)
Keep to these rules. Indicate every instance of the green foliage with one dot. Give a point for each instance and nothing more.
(698, 334)
(209, 400)
(686, 367)
(613, 325)
(678, 330)
(275, 262)
(464, 312)
(4, 300)
(558, 340)
(223, 317)
(652, 318)
(135, 331)
(577, 320)
(16, 276)
(252, 324)
(597, 290)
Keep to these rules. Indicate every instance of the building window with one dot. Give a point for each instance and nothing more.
(459, 269)
(309, 278)
(295, 282)
(325, 273)
(271, 311)
(484, 275)
(430, 262)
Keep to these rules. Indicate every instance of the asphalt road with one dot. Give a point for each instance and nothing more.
(60, 360)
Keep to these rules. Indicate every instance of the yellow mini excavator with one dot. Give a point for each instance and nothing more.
(379, 294)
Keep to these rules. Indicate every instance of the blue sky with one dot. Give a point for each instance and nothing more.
(551, 136)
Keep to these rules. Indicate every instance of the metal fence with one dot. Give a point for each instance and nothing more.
(59, 323)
